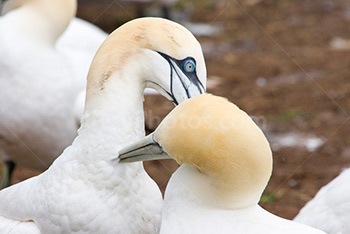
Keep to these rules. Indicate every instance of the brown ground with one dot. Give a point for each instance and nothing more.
(307, 82)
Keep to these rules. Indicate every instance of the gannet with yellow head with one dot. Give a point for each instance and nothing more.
(226, 163)
(85, 191)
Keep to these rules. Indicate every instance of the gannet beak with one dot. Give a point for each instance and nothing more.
(144, 150)
(2, 3)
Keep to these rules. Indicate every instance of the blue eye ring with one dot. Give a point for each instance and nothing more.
(189, 66)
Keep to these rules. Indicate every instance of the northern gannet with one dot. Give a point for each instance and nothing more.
(38, 86)
(84, 190)
(226, 162)
(329, 210)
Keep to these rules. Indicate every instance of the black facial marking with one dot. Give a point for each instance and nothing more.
(170, 94)
(192, 76)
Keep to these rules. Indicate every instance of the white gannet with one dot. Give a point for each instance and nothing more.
(226, 163)
(78, 42)
(329, 210)
(84, 190)
(38, 87)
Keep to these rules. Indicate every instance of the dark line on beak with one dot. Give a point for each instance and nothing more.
(200, 85)
(138, 155)
(167, 58)
(183, 85)
(170, 94)
(2, 3)
(144, 146)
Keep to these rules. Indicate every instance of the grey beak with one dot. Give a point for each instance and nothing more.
(143, 150)
(2, 3)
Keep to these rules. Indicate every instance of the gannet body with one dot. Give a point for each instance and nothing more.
(84, 190)
(329, 210)
(37, 85)
(226, 162)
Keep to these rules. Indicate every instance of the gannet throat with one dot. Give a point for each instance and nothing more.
(183, 71)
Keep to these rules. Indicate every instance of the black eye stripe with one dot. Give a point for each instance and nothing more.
(192, 76)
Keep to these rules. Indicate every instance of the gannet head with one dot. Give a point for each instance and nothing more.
(160, 53)
(219, 141)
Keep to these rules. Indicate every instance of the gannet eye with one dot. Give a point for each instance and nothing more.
(189, 65)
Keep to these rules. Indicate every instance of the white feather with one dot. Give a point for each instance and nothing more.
(8, 226)
(329, 210)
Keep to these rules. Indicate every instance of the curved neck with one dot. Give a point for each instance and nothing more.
(42, 21)
(113, 117)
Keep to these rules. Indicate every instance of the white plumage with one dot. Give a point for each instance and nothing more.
(84, 190)
(329, 210)
(8, 226)
(184, 212)
(37, 85)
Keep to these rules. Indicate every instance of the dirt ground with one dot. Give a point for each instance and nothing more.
(285, 62)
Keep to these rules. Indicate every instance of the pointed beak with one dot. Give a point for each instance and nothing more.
(143, 150)
(2, 3)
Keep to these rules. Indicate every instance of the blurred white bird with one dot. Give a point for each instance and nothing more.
(329, 210)
(38, 85)
(226, 163)
(84, 190)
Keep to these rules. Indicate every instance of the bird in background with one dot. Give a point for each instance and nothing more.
(226, 163)
(37, 84)
(85, 190)
(329, 210)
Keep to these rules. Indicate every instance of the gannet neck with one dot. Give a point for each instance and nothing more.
(42, 21)
(104, 123)
(229, 156)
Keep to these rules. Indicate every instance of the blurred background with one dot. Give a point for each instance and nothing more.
(286, 63)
